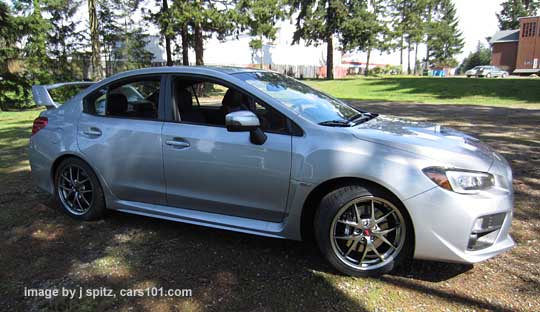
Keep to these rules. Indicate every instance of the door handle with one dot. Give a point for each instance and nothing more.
(177, 144)
(92, 131)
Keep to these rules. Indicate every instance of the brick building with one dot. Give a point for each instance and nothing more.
(518, 51)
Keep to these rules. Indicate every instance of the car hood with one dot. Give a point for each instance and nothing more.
(450, 147)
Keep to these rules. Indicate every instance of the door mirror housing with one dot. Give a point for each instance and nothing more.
(245, 120)
(241, 121)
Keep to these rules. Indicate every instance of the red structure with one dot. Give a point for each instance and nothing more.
(518, 51)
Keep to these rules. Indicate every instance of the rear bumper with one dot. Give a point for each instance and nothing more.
(40, 165)
(443, 222)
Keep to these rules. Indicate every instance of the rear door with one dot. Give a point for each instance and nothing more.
(210, 169)
(120, 135)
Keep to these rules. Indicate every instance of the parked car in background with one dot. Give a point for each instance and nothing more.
(486, 71)
(261, 153)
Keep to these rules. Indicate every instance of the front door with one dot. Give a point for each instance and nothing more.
(210, 169)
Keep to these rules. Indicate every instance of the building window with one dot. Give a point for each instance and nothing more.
(528, 30)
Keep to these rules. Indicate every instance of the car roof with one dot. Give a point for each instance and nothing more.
(187, 69)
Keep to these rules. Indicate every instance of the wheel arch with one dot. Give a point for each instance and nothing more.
(64, 156)
(315, 196)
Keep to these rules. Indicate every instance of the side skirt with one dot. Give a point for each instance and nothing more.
(225, 222)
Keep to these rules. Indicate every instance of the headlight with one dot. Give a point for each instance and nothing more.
(460, 181)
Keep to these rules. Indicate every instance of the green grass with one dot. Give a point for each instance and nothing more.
(15, 130)
(523, 93)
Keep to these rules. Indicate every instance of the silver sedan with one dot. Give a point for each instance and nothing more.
(486, 71)
(257, 152)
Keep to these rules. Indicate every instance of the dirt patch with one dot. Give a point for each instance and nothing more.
(42, 248)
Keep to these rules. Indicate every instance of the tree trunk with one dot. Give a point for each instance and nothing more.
(94, 38)
(367, 62)
(199, 46)
(416, 58)
(185, 45)
(426, 64)
(167, 36)
(408, 56)
(401, 53)
(329, 57)
(261, 66)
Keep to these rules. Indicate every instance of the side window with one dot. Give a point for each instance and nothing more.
(271, 120)
(203, 102)
(134, 99)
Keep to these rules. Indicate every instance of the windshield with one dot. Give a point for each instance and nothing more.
(310, 103)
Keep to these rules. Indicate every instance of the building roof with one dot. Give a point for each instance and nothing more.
(505, 36)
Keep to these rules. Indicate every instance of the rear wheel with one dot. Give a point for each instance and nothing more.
(363, 231)
(78, 191)
(488, 76)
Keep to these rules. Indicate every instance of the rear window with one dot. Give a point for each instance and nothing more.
(134, 99)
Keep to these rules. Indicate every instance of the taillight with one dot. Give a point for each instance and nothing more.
(39, 123)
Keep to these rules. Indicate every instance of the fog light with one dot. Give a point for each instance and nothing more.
(485, 231)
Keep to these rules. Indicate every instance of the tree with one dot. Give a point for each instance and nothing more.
(12, 85)
(259, 18)
(364, 28)
(94, 39)
(445, 39)
(63, 40)
(409, 25)
(319, 21)
(512, 10)
(482, 56)
(109, 35)
(164, 20)
(124, 43)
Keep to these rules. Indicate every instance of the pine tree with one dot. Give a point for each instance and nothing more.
(409, 26)
(259, 18)
(482, 56)
(512, 10)
(364, 29)
(318, 22)
(63, 39)
(445, 40)
(13, 86)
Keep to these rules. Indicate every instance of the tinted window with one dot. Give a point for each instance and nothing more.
(205, 102)
(135, 99)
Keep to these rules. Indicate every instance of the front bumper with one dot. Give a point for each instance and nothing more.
(443, 223)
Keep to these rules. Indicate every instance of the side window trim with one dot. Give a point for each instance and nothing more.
(293, 128)
(161, 107)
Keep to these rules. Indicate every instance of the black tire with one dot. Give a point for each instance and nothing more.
(335, 203)
(94, 198)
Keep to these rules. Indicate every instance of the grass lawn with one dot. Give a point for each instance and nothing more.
(15, 130)
(523, 93)
(40, 247)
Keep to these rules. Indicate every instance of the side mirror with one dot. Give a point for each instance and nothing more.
(245, 120)
(242, 121)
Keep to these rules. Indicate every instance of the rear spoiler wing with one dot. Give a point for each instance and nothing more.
(42, 97)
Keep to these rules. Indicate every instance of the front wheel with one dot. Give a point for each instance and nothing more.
(488, 76)
(78, 191)
(363, 231)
